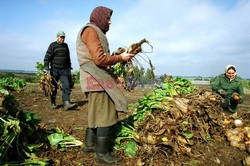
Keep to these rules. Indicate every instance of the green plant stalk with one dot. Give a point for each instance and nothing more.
(6, 144)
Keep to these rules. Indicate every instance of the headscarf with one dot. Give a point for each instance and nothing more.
(100, 17)
(229, 66)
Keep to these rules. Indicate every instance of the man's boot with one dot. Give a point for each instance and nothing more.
(103, 151)
(68, 105)
(90, 137)
(53, 102)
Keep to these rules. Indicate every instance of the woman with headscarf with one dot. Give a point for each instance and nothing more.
(230, 87)
(104, 96)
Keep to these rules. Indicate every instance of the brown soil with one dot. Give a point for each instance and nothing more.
(74, 122)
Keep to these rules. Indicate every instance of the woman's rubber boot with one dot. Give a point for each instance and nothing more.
(90, 137)
(102, 149)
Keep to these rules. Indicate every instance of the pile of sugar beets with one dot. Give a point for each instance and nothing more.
(169, 121)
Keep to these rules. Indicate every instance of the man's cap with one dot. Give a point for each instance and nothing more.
(60, 33)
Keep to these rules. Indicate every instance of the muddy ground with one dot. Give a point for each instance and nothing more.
(32, 99)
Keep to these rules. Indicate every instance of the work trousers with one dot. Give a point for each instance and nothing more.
(63, 75)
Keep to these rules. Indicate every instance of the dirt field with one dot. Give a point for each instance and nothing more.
(75, 122)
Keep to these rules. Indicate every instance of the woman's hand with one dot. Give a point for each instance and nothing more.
(236, 97)
(126, 56)
(222, 92)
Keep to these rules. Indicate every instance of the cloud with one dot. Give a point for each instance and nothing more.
(23, 50)
(188, 37)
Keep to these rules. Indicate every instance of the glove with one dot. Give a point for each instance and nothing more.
(46, 67)
(222, 92)
(236, 97)
(46, 71)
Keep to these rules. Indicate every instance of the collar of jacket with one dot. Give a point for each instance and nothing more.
(236, 78)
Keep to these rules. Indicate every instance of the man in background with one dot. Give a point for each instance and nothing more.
(57, 62)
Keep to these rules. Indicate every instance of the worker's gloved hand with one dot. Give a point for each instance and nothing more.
(46, 71)
(222, 92)
(236, 97)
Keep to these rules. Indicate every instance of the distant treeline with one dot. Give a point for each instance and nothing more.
(32, 78)
(28, 77)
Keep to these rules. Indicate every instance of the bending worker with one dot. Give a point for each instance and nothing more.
(230, 87)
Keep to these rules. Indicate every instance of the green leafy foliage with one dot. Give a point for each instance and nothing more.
(33, 161)
(21, 136)
(12, 83)
(148, 74)
(130, 148)
(18, 129)
(10, 128)
(138, 72)
(246, 84)
(40, 69)
(76, 73)
(183, 86)
(119, 70)
(61, 141)
(4, 91)
(187, 135)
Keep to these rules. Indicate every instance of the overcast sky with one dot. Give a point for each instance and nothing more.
(189, 37)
